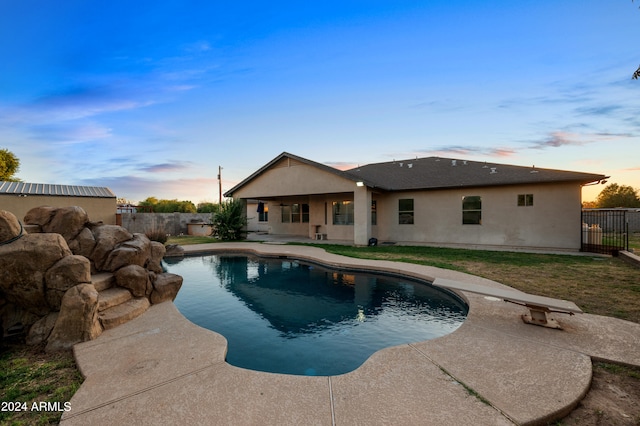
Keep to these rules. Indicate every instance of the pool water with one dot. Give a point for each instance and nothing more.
(293, 317)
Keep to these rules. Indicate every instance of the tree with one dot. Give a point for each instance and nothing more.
(9, 166)
(614, 195)
(169, 206)
(230, 221)
(208, 207)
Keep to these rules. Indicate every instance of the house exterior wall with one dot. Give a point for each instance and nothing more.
(320, 217)
(553, 221)
(253, 222)
(290, 181)
(289, 178)
(99, 209)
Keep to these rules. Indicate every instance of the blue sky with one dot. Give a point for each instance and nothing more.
(149, 98)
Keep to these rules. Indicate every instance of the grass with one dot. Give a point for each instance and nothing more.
(185, 240)
(599, 285)
(634, 242)
(28, 376)
(633, 372)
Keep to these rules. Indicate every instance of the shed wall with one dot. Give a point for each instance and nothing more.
(99, 209)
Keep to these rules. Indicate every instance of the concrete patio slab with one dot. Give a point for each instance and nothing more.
(529, 382)
(219, 395)
(400, 386)
(161, 369)
(159, 346)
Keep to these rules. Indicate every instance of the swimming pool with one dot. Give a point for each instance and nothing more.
(295, 317)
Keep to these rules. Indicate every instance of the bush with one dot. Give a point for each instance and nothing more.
(208, 208)
(230, 221)
(157, 234)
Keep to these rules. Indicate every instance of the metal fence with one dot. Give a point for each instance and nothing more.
(605, 231)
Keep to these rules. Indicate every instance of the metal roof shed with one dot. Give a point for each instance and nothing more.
(20, 197)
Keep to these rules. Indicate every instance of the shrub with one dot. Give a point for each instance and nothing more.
(230, 220)
(157, 234)
(208, 208)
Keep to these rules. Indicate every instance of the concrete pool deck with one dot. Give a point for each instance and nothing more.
(494, 370)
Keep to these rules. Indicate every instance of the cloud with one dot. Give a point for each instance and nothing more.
(341, 165)
(77, 103)
(559, 139)
(469, 150)
(446, 105)
(167, 167)
(198, 46)
(606, 110)
(70, 133)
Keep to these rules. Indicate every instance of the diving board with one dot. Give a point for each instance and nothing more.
(538, 306)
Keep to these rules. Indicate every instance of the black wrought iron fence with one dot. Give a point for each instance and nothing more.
(605, 231)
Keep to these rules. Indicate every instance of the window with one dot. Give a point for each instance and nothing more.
(374, 212)
(295, 213)
(343, 213)
(286, 213)
(525, 200)
(263, 212)
(405, 211)
(472, 210)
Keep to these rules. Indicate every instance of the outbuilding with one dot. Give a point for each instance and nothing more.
(20, 197)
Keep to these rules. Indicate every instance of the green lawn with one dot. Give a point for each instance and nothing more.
(599, 285)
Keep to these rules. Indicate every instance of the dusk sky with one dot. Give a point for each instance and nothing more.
(148, 98)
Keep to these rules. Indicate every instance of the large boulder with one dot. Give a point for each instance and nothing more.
(174, 250)
(135, 278)
(23, 264)
(41, 330)
(9, 226)
(136, 251)
(107, 238)
(39, 215)
(78, 319)
(84, 243)
(165, 287)
(67, 221)
(157, 254)
(66, 273)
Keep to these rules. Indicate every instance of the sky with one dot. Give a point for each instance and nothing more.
(149, 98)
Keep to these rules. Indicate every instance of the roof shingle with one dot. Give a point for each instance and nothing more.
(436, 172)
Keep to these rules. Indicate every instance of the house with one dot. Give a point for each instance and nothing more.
(433, 200)
(20, 197)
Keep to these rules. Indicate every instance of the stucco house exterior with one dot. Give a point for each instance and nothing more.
(20, 197)
(433, 200)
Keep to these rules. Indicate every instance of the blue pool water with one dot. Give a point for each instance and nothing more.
(292, 317)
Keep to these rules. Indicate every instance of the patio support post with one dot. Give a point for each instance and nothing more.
(361, 215)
